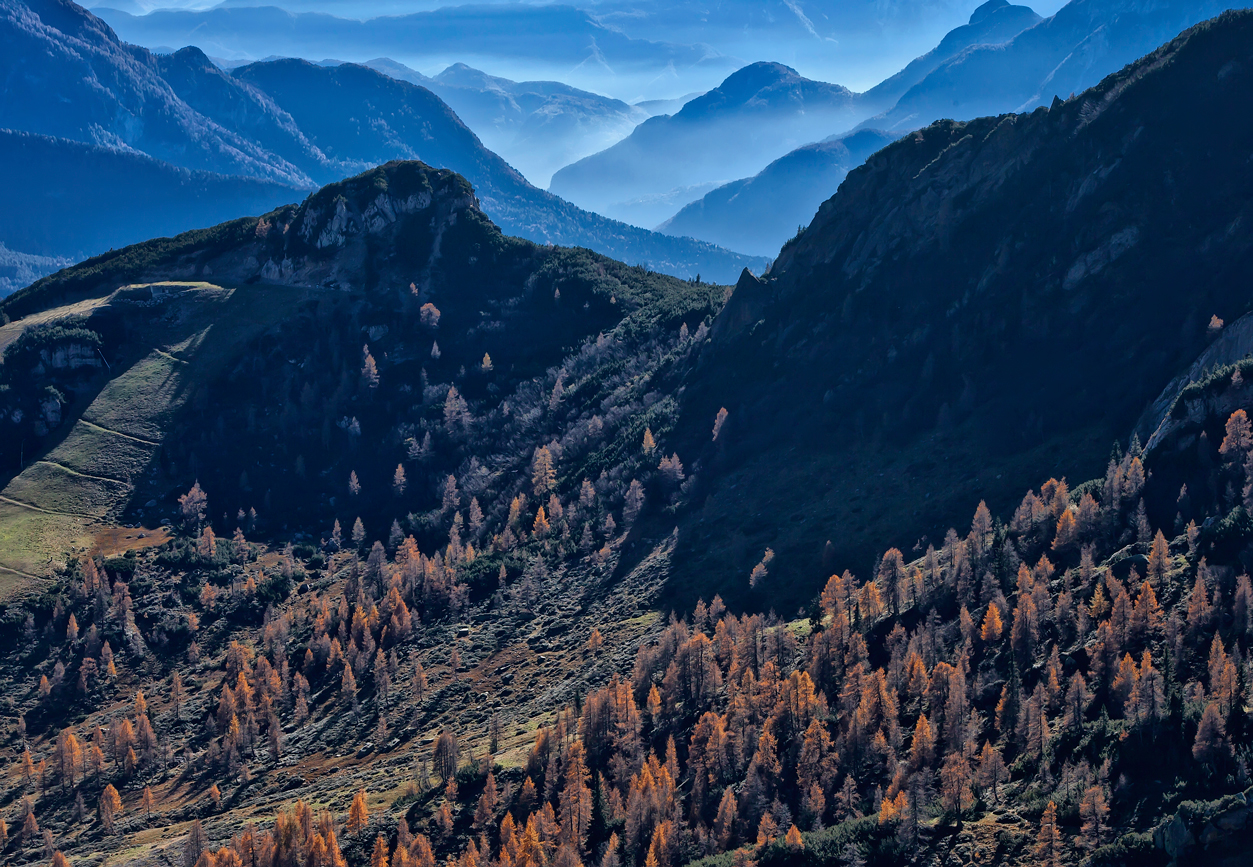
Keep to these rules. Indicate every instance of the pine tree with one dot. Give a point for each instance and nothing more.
(992, 627)
(193, 505)
(1159, 561)
(358, 813)
(1048, 847)
(1094, 816)
(444, 755)
(1211, 747)
(724, 823)
(794, 841)
(719, 420)
(195, 844)
(378, 858)
(399, 482)
(543, 474)
(540, 526)
(992, 770)
(110, 807)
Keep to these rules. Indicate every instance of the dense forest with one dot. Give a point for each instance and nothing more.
(1069, 683)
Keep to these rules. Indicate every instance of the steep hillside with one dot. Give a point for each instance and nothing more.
(56, 191)
(380, 268)
(759, 214)
(1062, 55)
(756, 115)
(978, 301)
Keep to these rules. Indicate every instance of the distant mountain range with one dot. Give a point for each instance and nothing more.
(538, 126)
(290, 123)
(758, 214)
(758, 114)
(547, 36)
(1005, 59)
(22, 269)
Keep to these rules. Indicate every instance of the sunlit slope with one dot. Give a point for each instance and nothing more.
(181, 334)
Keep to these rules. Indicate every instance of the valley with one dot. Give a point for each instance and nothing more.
(363, 504)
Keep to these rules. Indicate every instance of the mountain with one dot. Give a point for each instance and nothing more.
(1061, 55)
(110, 366)
(759, 214)
(18, 270)
(361, 533)
(978, 300)
(263, 121)
(993, 23)
(111, 94)
(756, 115)
(56, 190)
(358, 115)
(550, 37)
(538, 126)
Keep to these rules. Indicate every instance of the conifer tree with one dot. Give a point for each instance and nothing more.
(543, 474)
(110, 807)
(1048, 847)
(719, 420)
(358, 813)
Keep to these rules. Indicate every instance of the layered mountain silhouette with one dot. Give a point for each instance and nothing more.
(112, 94)
(538, 126)
(756, 115)
(758, 214)
(984, 67)
(289, 122)
(993, 23)
(752, 119)
(555, 34)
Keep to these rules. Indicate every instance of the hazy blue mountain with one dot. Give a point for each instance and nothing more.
(993, 23)
(65, 198)
(554, 37)
(758, 114)
(656, 107)
(239, 106)
(356, 114)
(66, 74)
(758, 214)
(286, 119)
(1063, 54)
(538, 126)
(18, 270)
(832, 40)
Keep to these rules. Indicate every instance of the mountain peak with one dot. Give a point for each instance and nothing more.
(742, 84)
(987, 9)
